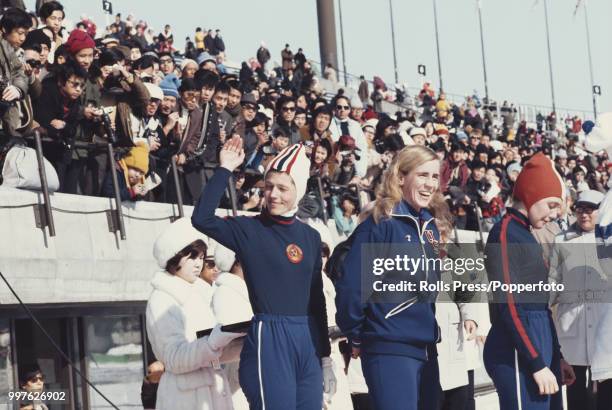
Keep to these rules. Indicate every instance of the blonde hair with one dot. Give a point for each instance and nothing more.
(389, 192)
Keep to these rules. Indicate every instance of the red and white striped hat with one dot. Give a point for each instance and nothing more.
(293, 161)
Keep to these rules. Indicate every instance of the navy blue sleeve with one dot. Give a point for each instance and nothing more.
(500, 264)
(318, 309)
(350, 310)
(227, 231)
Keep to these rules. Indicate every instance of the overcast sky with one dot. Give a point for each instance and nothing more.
(515, 40)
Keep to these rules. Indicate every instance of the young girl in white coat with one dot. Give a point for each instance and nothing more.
(176, 310)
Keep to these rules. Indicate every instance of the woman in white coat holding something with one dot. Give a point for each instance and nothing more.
(177, 308)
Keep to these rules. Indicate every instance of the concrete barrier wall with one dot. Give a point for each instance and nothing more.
(84, 262)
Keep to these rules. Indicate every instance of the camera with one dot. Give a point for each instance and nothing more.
(393, 142)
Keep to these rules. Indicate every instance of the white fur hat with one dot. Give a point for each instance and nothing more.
(173, 239)
(224, 258)
(293, 161)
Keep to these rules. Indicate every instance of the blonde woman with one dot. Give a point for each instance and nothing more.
(395, 340)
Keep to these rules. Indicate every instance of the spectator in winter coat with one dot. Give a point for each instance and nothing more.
(342, 124)
(52, 15)
(58, 111)
(579, 308)
(131, 175)
(364, 91)
(287, 59)
(263, 54)
(455, 171)
(176, 309)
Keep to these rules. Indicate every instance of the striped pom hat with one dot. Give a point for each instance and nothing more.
(293, 161)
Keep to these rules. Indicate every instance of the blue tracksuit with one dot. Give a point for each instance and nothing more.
(522, 339)
(281, 258)
(395, 339)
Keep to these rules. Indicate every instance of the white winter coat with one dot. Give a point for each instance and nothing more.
(574, 263)
(230, 302)
(175, 311)
(230, 299)
(452, 359)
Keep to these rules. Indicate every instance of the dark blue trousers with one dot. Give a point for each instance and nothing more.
(394, 382)
(279, 366)
(512, 377)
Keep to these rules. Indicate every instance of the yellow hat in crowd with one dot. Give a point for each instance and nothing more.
(138, 157)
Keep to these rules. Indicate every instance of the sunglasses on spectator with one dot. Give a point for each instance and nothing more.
(37, 378)
(585, 210)
(343, 107)
(288, 109)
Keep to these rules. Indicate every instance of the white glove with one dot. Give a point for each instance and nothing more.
(329, 379)
(218, 339)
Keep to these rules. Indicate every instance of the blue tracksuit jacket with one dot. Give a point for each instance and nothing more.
(390, 328)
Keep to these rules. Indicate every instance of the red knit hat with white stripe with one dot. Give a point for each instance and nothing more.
(538, 180)
(293, 161)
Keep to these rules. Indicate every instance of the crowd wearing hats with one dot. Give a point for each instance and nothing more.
(183, 106)
(161, 107)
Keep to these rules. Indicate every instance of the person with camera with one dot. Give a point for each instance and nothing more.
(342, 125)
(13, 80)
(198, 132)
(58, 111)
(285, 360)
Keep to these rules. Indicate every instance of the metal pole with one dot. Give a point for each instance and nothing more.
(438, 45)
(323, 205)
(232, 194)
(484, 60)
(177, 187)
(552, 84)
(588, 35)
(43, 182)
(118, 211)
(342, 42)
(393, 41)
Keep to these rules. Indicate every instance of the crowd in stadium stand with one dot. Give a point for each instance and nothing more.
(84, 87)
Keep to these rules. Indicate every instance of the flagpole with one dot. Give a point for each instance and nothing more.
(588, 35)
(393, 42)
(550, 69)
(438, 45)
(484, 60)
(342, 44)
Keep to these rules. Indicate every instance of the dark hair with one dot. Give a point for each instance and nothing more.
(282, 101)
(166, 54)
(206, 78)
(300, 110)
(198, 29)
(234, 84)
(37, 37)
(222, 88)
(281, 131)
(13, 19)
(476, 164)
(27, 372)
(323, 110)
(81, 24)
(193, 250)
(48, 8)
(188, 84)
(71, 68)
(338, 97)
